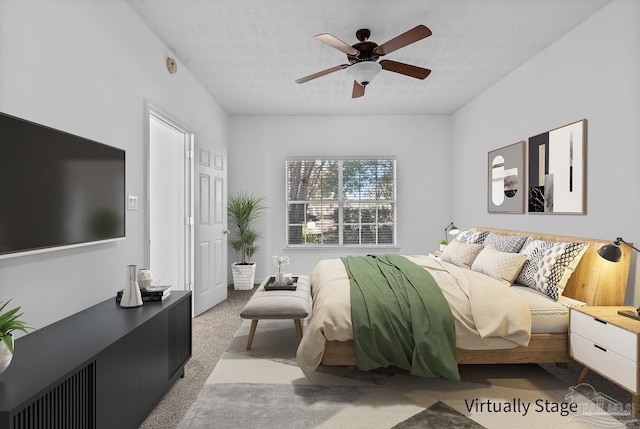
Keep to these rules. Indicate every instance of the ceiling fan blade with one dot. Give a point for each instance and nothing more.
(405, 69)
(417, 33)
(358, 90)
(321, 73)
(334, 42)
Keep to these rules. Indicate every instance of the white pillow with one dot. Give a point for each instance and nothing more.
(499, 265)
(461, 254)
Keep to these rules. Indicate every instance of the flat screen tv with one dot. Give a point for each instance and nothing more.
(57, 189)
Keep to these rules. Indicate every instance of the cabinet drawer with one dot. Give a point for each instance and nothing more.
(607, 362)
(605, 334)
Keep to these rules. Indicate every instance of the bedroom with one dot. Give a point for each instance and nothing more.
(74, 67)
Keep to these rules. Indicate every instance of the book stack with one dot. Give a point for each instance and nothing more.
(151, 293)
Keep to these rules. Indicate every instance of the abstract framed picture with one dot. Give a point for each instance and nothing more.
(557, 170)
(506, 193)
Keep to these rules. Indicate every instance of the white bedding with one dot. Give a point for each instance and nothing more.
(488, 314)
(547, 316)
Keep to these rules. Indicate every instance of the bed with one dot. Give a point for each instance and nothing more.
(594, 281)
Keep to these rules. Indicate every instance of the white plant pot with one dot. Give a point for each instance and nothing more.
(5, 356)
(243, 276)
(442, 247)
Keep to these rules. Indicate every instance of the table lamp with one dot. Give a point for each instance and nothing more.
(611, 252)
(452, 230)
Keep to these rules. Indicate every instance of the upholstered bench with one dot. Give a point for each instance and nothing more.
(278, 304)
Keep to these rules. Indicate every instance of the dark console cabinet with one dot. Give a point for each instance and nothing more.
(105, 367)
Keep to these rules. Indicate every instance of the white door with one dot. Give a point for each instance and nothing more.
(210, 279)
(169, 202)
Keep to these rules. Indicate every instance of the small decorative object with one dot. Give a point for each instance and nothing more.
(280, 262)
(443, 245)
(131, 296)
(9, 322)
(145, 279)
(506, 179)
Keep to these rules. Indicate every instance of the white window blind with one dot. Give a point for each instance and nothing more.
(341, 202)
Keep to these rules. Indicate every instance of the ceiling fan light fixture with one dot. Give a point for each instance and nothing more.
(364, 71)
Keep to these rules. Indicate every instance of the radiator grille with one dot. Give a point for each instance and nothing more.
(69, 405)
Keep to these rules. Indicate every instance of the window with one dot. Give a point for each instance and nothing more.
(341, 202)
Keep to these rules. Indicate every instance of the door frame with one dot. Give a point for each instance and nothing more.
(151, 110)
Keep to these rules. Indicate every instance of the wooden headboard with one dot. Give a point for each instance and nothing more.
(595, 280)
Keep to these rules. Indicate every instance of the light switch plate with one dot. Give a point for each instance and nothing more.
(132, 202)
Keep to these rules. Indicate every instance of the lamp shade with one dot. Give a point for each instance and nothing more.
(364, 71)
(454, 230)
(610, 252)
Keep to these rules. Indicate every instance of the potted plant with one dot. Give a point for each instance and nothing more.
(443, 245)
(242, 211)
(9, 322)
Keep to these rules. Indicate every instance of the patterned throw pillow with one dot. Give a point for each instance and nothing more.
(499, 265)
(534, 251)
(461, 254)
(472, 237)
(505, 243)
(549, 265)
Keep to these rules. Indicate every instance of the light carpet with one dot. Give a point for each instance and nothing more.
(264, 388)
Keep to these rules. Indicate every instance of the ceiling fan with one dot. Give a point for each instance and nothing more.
(363, 57)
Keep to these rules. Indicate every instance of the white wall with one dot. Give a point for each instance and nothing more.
(87, 67)
(592, 73)
(259, 145)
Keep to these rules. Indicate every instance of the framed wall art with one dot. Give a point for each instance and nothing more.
(506, 193)
(557, 170)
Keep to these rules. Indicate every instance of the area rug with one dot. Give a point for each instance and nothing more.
(263, 388)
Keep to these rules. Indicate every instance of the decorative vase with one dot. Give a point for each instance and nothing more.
(5, 355)
(131, 296)
(279, 279)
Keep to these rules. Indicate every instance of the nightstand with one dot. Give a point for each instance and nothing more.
(607, 343)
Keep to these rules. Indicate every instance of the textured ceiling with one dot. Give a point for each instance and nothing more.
(248, 53)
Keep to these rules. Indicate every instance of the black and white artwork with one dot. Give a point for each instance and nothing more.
(556, 170)
(506, 179)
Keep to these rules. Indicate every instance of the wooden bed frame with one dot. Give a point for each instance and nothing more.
(594, 281)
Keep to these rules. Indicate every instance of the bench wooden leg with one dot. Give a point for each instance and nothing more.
(298, 329)
(252, 332)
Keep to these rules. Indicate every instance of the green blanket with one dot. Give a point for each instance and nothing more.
(400, 317)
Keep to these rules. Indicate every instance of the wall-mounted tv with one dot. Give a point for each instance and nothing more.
(57, 189)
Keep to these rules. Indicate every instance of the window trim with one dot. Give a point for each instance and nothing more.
(341, 201)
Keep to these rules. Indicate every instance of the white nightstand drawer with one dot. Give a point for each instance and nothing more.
(605, 334)
(607, 362)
